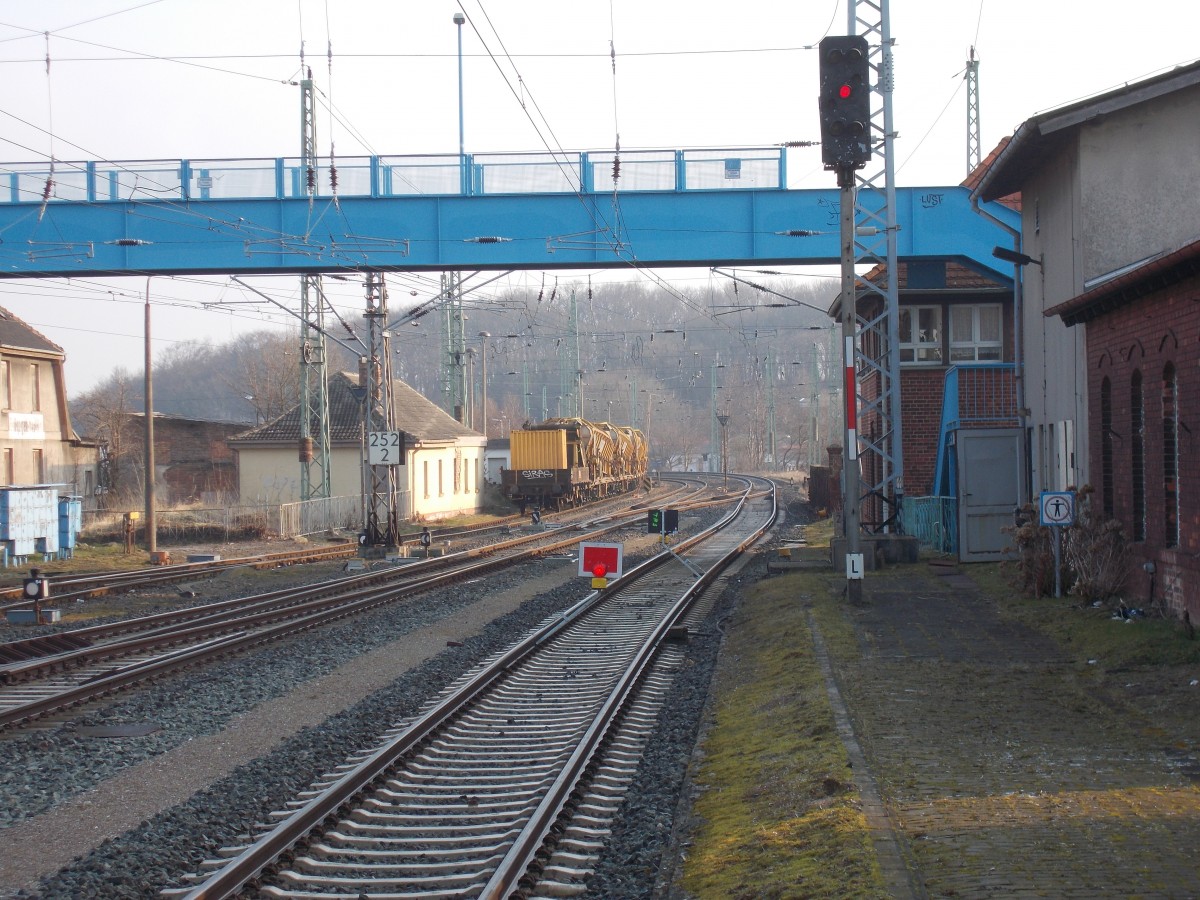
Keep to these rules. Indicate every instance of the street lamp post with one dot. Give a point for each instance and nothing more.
(469, 392)
(723, 418)
(484, 335)
(459, 20)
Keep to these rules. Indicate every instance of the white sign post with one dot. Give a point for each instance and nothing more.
(1056, 509)
(385, 448)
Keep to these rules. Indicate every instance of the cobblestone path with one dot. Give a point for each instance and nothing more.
(1006, 771)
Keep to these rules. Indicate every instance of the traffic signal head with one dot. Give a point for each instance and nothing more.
(845, 102)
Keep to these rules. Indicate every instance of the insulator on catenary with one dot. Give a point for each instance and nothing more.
(487, 239)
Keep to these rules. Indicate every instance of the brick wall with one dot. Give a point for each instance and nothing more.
(193, 458)
(1145, 335)
(921, 420)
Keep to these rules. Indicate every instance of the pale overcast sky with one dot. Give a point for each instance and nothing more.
(165, 79)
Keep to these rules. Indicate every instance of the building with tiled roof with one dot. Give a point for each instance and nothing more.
(443, 473)
(37, 442)
(955, 326)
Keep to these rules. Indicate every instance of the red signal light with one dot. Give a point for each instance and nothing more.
(845, 91)
(599, 570)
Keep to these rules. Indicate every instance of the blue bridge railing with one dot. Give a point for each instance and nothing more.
(934, 522)
(762, 168)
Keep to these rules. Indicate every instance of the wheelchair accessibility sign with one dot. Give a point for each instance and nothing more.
(1057, 507)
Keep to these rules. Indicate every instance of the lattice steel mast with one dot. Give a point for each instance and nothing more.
(880, 438)
(974, 147)
(454, 348)
(314, 372)
(379, 482)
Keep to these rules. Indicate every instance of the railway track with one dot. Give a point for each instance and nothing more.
(507, 782)
(68, 588)
(41, 677)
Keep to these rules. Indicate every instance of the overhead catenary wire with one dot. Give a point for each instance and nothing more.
(267, 235)
(50, 121)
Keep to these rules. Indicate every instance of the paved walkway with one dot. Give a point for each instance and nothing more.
(1005, 771)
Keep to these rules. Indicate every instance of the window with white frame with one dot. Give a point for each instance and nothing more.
(921, 335)
(977, 333)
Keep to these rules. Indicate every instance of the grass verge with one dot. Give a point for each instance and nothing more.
(786, 822)
(1091, 632)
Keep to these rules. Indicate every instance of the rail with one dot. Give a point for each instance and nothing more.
(302, 820)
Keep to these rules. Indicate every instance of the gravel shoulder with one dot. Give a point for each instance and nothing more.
(43, 844)
(126, 817)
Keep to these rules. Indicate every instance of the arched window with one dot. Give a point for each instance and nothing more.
(1170, 428)
(1137, 454)
(1106, 446)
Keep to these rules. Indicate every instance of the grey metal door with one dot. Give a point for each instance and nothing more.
(989, 489)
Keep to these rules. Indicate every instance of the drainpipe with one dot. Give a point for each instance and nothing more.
(1018, 323)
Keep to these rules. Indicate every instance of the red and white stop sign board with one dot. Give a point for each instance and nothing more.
(610, 556)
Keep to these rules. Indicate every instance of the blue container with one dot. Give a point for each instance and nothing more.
(70, 521)
(29, 519)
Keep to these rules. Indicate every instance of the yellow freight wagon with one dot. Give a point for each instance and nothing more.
(570, 461)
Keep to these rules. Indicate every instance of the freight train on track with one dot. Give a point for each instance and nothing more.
(565, 462)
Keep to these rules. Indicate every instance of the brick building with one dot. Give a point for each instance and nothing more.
(1109, 231)
(949, 316)
(1143, 333)
(956, 351)
(192, 458)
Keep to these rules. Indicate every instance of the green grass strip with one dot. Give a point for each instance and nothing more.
(785, 820)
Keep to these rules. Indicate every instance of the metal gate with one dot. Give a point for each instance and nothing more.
(989, 490)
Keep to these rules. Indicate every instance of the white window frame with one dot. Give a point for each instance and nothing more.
(968, 351)
(918, 349)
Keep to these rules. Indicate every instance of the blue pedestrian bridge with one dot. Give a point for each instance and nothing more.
(493, 211)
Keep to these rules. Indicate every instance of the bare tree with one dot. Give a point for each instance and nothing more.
(265, 372)
(103, 415)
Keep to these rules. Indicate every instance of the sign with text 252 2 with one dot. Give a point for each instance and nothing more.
(385, 448)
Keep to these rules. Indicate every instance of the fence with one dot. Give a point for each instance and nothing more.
(934, 521)
(323, 514)
(238, 522)
(696, 169)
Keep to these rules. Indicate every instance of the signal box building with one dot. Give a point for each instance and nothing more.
(1110, 191)
(957, 394)
(443, 473)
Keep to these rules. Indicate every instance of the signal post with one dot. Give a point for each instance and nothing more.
(845, 113)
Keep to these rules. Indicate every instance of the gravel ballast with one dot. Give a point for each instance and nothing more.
(193, 813)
